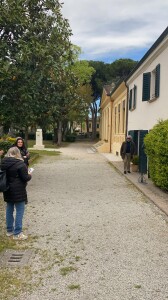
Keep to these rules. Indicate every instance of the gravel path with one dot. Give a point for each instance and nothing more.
(96, 236)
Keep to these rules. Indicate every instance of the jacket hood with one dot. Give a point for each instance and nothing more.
(8, 162)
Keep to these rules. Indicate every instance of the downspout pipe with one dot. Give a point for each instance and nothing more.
(127, 106)
(111, 106)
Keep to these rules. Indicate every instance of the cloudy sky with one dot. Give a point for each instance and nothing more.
(107, 30)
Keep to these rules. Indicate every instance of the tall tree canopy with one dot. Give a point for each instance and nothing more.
(106, 73)
(35, 56)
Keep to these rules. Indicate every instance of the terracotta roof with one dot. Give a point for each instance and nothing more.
(108, 88)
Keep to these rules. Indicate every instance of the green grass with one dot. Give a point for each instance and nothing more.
(47, 144)
(66, 270)
(74, 286)
(43, 153)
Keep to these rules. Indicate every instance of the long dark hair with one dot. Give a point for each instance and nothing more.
(20, 139)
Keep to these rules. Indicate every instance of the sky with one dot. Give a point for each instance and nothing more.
(107, 30)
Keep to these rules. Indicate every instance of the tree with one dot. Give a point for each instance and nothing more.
(36, 51)
(106, 73)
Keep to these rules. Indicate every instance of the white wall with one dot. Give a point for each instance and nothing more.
(147, 114)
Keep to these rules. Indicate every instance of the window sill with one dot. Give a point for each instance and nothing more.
(132, 109)
(152, 99)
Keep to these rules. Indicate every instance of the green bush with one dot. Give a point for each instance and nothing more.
(135, 160)
(70, 138)
(5, 145)
(156, 148)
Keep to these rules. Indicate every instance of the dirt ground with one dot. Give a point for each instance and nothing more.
(94, 236)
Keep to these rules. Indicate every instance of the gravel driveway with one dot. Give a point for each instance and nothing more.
(94, 235)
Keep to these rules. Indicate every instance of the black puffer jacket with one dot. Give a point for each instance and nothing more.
(17, 176)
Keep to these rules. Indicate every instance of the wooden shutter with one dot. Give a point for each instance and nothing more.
(135, 96)
(146, 86)
(142, 155)
(130, 100)
(157, 81)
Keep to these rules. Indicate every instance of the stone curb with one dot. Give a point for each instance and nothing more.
(156, 196)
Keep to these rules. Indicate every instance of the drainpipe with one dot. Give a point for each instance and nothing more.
(111, 106)
(127, 107)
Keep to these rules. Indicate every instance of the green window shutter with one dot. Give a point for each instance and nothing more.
(130, 100)
(135, 96)
(142, 155)
(146, 86)
(157, 81)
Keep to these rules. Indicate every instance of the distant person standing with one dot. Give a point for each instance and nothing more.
(127, 151)
(1, 152)
(23, 150)
(16, 195)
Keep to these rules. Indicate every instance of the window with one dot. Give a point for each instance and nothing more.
(151, 84)
(97, 125)
(115, 119)
(123, 116)
(133, 98)
(119, 118)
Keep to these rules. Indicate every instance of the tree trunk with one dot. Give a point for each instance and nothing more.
(87, 125)
(59, 133)
(26, 137)
(94, 108)
(55, 137)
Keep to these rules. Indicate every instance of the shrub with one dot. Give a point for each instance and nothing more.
(5, 145)
(135, 160)
(156, 148)
(70, 138)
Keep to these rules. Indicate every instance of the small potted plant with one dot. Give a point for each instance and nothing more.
(135, 163)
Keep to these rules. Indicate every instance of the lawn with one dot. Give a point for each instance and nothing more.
(47, 144)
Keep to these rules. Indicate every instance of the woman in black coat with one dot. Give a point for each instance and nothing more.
(23, 150)
(16, 195)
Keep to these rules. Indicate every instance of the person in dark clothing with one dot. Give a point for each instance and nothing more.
(24, 152)
(127, 151)
(16, 195)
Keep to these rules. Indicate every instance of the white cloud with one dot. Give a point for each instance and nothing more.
(115, 26)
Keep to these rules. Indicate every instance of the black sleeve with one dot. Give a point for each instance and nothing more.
(23, 173)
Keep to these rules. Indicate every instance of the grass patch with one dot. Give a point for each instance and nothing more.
(44, 153)
(74, 286)
(66, 270)
(77, 258)
(47, 144)
(12, 283)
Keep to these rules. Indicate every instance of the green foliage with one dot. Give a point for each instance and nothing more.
(156, 148)
(70, 137)
(5, 145)
(135, 160)
(108, 73)
(36, 55)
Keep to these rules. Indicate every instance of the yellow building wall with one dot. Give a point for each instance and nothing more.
(105, 119)
(119, 108)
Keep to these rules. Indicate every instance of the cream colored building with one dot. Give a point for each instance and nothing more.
(119, 111)
(105, 120)
(113, 118)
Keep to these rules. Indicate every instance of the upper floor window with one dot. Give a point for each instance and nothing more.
(123, 116)
(133, 98)
(115, 120)
(119, 118)
(151, 84)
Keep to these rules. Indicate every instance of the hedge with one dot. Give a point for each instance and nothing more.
(156, 148)
(6, 144)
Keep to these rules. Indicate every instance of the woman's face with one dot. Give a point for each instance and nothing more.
(19, 143)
